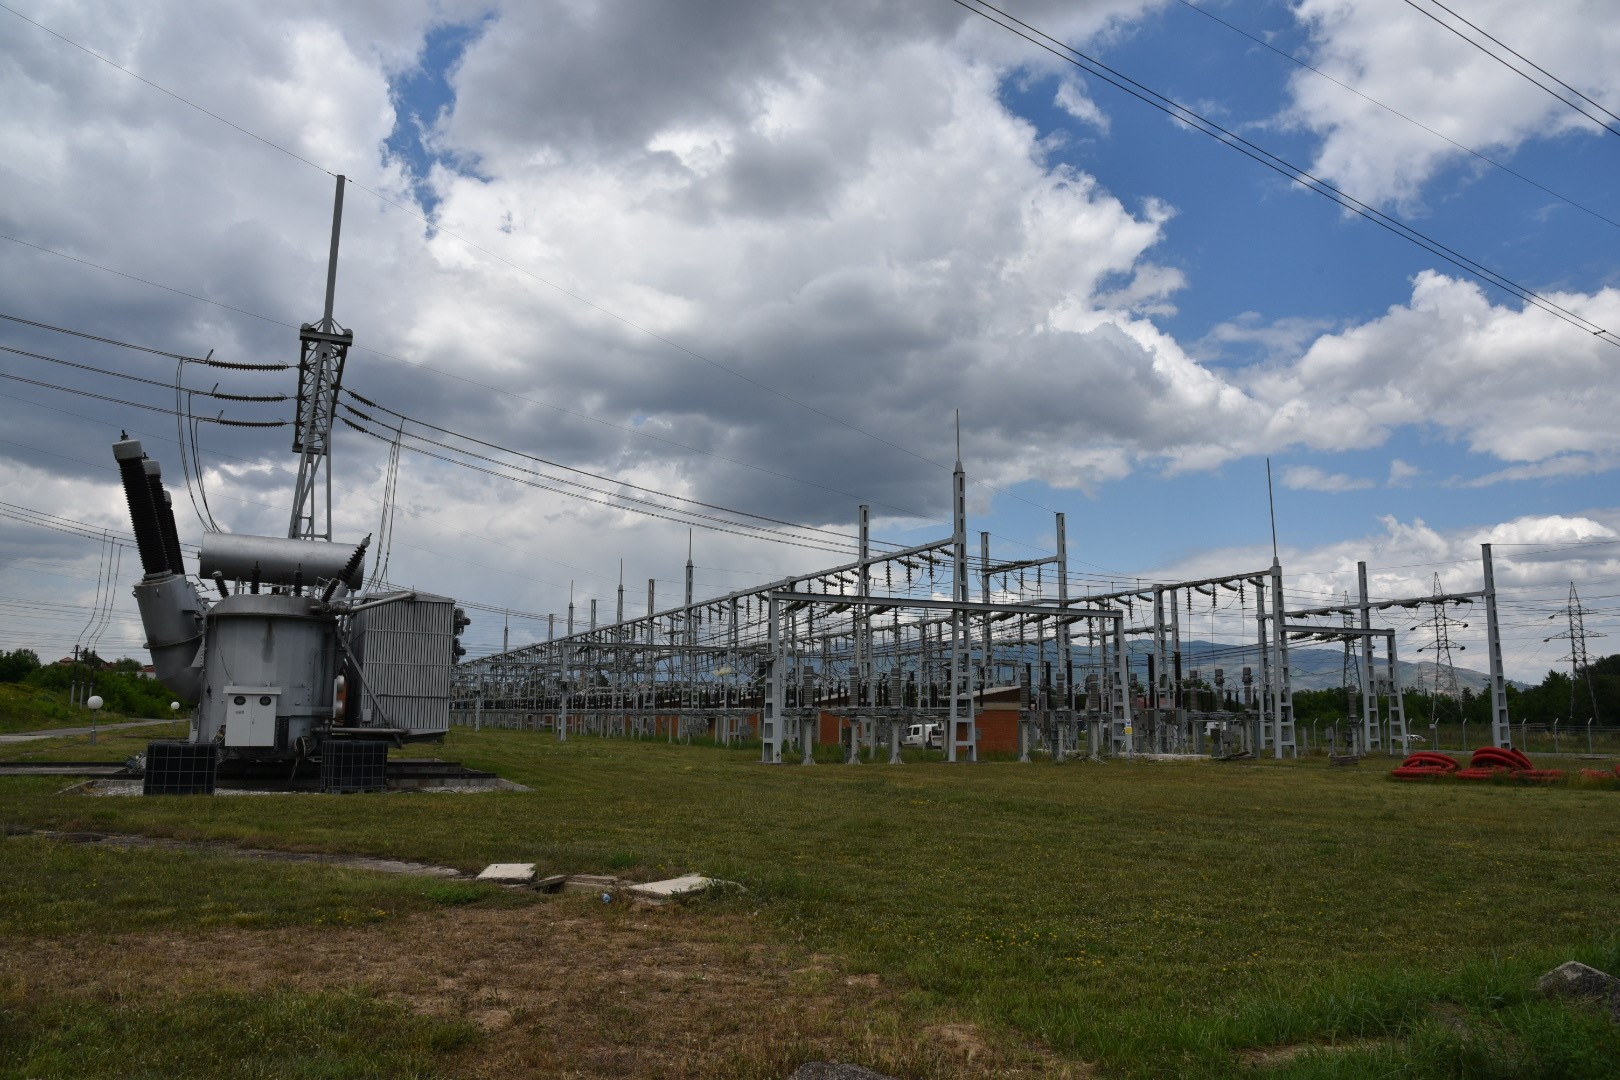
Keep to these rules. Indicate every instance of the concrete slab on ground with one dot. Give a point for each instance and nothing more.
(508, 873)
(672, 889)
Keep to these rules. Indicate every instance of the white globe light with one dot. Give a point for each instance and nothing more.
(94, 702)
(174, 706)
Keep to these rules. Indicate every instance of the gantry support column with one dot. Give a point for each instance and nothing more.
(984, 596)
(1064, 636)
(1160, 692)
(1369, 692)
(961, 740)
(862, 696)
(1262, 728)
(1501, 726)
(770, 714)
(1282, 701)
(1397, 712)
(564, 686)
(1124, 732)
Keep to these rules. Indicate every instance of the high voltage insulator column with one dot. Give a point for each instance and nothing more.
(324, 347)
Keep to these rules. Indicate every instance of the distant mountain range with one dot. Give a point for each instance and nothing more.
(1310, 668)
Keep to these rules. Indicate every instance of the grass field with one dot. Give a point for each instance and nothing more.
(30, 708)
(1111, 919)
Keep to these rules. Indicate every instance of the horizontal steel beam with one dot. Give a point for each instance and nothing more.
(1384, 605)
(886, 603)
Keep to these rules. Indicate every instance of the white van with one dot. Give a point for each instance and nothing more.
(923, 735)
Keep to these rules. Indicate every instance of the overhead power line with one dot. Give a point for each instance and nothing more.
(619, 499)
(1599, 121)
(685, 517)
(160, 89)
(439, 227)
(561, 410)
(212, 362)
(222, 420)
(208, 361)
(218, 394)
(1264, 44)
(584, 472)
(1070, 55)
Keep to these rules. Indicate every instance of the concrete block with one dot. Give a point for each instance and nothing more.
(1577, 980)
(508, 873)
(671, 889)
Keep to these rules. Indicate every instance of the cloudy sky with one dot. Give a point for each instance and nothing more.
(757, 254)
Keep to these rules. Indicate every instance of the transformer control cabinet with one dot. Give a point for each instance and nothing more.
(250, 715)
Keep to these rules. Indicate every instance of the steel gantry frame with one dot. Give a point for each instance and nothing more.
(852, 646)
(1501, 727)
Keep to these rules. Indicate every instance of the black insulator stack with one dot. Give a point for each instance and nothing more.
(254, 587)
(142, 514)
(165, 516)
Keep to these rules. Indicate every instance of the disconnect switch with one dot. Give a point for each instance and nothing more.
(250, 715)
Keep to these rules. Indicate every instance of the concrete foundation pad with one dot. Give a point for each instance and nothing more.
(508, 873)
(672, 889)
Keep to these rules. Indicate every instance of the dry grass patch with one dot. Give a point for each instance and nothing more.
(570, 987)
(1276, 1057)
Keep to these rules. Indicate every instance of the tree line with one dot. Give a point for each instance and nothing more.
(120, 684)
(1545, 703)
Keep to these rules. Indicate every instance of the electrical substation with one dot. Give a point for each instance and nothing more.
(879, 652)
(934, 645)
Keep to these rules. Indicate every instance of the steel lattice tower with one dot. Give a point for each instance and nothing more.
(1576, 635)
(323, 349)
(1444, 682)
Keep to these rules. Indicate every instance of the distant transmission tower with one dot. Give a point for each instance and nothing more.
(1576, 635)
(1443, 685)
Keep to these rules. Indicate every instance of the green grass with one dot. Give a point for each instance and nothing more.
(25, 706)
(281, 1034)
(111, 746)
(1536, 739)
(1157, 918)
(50, 888)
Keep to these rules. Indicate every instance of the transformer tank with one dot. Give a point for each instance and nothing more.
(289, 655)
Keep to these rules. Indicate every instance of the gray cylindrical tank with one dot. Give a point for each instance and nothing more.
(173, 617)
(280, 658)
(279, 560)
